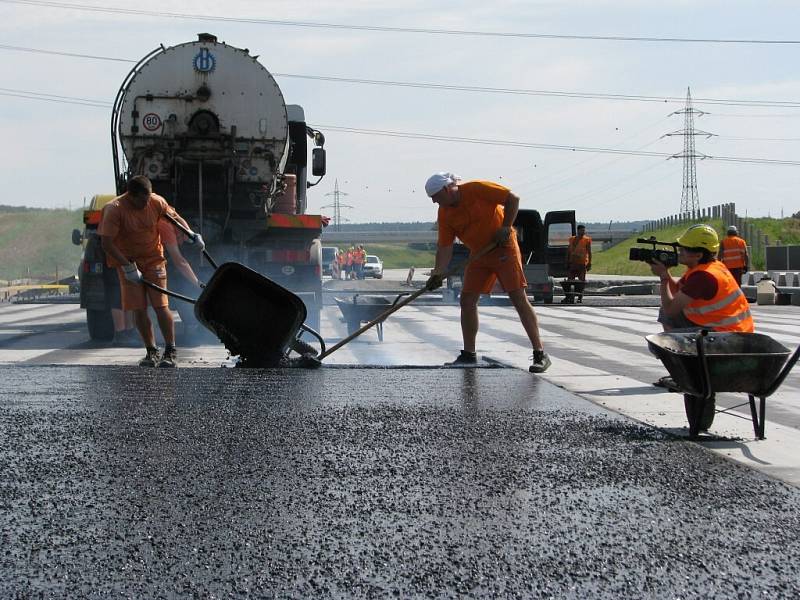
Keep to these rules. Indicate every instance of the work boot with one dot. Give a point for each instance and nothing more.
(170, 358)
(465, 358)
(541, 362)
(150, 359)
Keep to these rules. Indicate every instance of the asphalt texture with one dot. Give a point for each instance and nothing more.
(368, 483)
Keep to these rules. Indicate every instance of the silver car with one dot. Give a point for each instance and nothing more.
(373, 267)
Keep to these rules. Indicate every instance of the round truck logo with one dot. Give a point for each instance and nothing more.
(204, 61)
(151, 122)
(287, 270)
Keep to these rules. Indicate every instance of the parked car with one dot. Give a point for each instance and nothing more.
(373, 267)
(330, 266)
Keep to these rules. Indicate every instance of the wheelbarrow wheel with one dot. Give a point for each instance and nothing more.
(700, 413)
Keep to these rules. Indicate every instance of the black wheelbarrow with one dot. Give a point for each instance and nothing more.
(255, 318)
(361, 309)
(702, 363)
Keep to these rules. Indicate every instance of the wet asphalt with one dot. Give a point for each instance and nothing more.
(367, 483)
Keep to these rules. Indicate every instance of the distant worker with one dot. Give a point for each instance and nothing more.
(733, 253)
(481, 213)
(579, 261)
(341, 260)
(359, 258)
(130, 239)
(707, 296)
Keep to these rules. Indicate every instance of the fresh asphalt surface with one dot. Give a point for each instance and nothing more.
(361, 482)
(342, 482)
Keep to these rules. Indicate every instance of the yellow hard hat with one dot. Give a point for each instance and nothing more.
(700, 236)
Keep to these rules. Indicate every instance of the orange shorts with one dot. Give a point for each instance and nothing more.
(503, 264)
(135, 295)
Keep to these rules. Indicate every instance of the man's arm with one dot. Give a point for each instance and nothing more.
(443, 256)
(511, 207)
(589, 254)
(110, 248)
(180, 263)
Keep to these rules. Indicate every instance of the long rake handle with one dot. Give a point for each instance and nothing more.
(190, 233)
(408, 300)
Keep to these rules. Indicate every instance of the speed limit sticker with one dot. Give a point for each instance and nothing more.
(151, 121)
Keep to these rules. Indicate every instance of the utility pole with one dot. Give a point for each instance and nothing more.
(690, 199)
(337, 205)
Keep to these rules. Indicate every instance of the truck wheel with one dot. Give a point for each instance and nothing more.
(548, 299)
(100, 325)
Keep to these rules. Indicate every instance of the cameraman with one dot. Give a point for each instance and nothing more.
(707, 296)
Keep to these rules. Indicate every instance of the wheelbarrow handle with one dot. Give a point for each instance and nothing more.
(152, 285)
(398, 305)
(191, 234)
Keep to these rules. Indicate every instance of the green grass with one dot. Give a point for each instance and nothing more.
(400, 256)
(38, 243)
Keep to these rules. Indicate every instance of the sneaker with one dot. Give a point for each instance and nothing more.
(170, 358)
(150, 359)
(465, 358)
(541, 362)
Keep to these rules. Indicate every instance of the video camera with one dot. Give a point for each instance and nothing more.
(648, 255)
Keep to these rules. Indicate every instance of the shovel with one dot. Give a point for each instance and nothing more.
(316, 361)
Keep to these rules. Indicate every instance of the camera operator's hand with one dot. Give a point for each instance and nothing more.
(660, 269)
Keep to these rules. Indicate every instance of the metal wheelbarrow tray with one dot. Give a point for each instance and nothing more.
(359, 309)
(254, 317)
(702, 363)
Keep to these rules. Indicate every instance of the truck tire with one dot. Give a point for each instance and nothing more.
(548, 299)
(100, 325)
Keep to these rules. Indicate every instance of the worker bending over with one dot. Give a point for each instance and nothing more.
(707, 296)
(481, 213)
(131, 241)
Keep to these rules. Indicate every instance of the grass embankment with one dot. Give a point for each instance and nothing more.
(400, 256)
(38, 243)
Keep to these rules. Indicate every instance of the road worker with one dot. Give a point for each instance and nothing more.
(579, 261)
(707, 296)
(733, 254)
(130, 239)
(481, 213)
(359, 258)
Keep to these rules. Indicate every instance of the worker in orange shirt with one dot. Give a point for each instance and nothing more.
(733, 254)
(341, 260)
(481, 213)
(579, 261)
(359, 258)
(130, 239)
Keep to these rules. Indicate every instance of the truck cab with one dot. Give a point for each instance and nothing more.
(543, 245)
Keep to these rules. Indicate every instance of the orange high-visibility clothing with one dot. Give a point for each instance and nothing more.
(734, 250)
(579, 248)
(359, 257)
(349, 257)
(728, 310)
(341, 258)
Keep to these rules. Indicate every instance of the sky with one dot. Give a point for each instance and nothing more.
(58, 154)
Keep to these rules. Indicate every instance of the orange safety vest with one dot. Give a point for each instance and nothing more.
(734, 249)
(340, 258)
(579, 250)
(728, 310)
(359, 256)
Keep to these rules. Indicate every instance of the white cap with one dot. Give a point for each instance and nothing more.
(732, 229)
(439, 180)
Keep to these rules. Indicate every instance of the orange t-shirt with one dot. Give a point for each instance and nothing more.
(134, 231)
(476, 218)
(579, 250)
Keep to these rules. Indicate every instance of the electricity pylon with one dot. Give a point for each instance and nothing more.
(690, 198)
(337, 205)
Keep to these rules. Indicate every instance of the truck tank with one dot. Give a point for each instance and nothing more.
(208, 124)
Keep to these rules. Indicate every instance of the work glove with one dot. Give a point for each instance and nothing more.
(132, 273)
(434, 282)
(197, 239)
(501, 235)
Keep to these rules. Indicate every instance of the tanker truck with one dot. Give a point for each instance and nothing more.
(209, 126)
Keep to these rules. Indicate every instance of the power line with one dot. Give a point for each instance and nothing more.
(467, 88)
(443, 138)
(387, 29)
